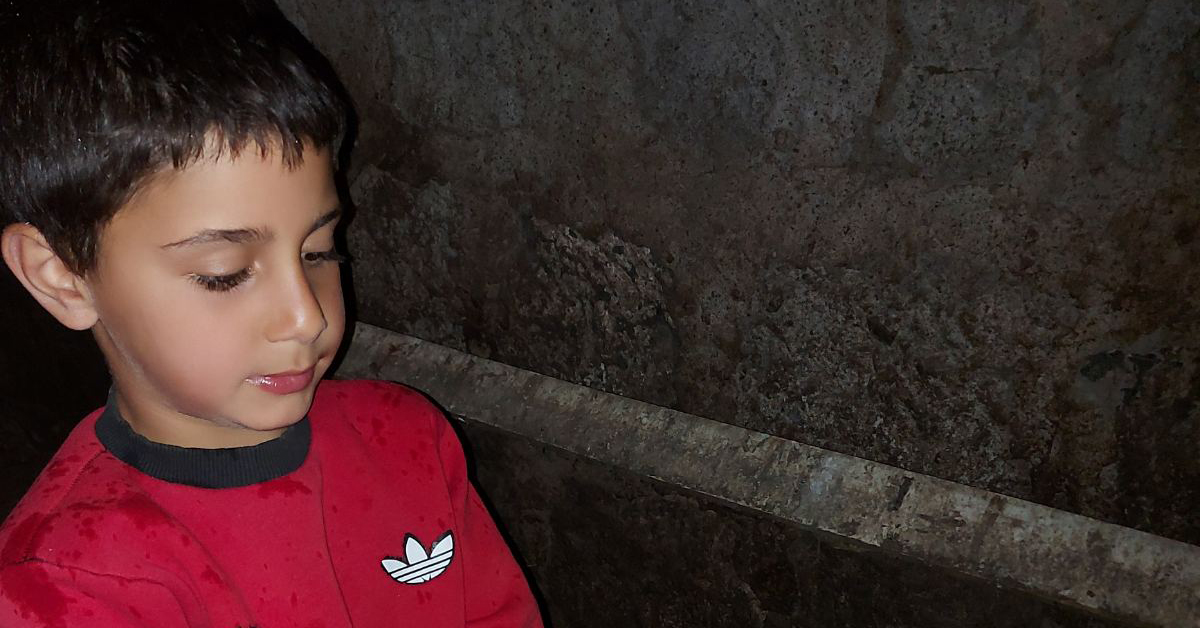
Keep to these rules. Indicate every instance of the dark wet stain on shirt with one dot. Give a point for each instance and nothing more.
(37, 597)
(283, 486)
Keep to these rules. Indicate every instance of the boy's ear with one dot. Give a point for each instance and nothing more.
(63, 293)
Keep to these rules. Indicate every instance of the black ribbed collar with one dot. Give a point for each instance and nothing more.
(205, 468)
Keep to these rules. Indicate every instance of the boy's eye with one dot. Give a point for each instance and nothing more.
(318, 257)
(225, 283)
(222, 283)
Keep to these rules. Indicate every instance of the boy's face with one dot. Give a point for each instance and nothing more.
(219, 301)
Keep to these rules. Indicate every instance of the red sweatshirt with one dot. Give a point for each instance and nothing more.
(360, 515)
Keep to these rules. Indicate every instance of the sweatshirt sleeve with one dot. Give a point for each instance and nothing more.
(496, 592)
(35, 594)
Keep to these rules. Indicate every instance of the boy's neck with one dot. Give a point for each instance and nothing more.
(182, 430)
(224, 467)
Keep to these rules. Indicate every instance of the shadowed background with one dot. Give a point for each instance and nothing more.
(960, 238)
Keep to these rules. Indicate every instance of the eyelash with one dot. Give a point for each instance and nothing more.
(225, 283)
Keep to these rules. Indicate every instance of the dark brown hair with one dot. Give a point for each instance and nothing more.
(97, 95)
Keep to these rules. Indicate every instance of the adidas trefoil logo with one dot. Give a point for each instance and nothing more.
(418, 565)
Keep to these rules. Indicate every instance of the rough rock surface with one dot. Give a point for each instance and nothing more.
(960, 238)
(608, 549)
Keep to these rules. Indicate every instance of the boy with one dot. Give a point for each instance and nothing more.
(169, 167)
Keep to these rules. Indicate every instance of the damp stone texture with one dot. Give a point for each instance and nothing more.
(959, 238)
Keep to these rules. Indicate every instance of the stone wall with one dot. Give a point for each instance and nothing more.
(960, 238)
(568, 468)
(607, 549)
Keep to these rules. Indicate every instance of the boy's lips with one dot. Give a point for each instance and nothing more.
(283, 383)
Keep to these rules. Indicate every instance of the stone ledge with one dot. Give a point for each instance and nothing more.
(1106, 569)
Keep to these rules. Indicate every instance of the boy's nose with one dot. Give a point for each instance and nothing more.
(298, 314)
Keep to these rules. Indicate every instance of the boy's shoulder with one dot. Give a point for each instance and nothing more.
(374, 407)
(380, 424)
(367, 395)
(74, 503)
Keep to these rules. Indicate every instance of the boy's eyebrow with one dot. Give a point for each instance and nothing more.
(329, 217)
(244, 236)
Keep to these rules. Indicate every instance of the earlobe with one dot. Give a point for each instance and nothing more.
(63, 293)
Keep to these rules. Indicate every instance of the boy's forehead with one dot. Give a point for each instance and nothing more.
(249, 190)
(244, 235)
(245, 181)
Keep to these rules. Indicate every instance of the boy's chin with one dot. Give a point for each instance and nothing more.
(276, 412)
(255, 418)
